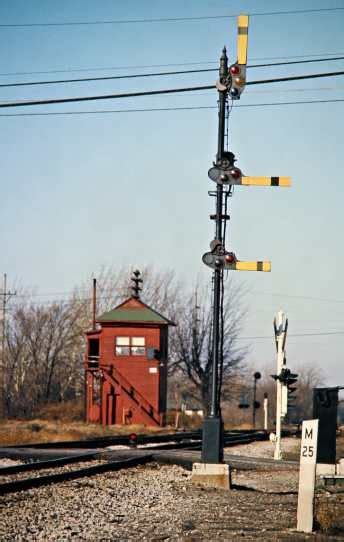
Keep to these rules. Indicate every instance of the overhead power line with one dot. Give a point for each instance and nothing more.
(158, 92)
(141, 67)
(155, 74)
(161, 109)
(315, 334)
(171, 19)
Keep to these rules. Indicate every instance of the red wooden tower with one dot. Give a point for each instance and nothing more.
(126, 364)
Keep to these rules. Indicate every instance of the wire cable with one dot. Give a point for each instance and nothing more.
(154, 74)
(161, 109)
(132, 67)
(316, 334)
(170, 19)
(159, 92)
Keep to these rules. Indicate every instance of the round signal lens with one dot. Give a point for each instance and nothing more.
(230, 258)
(224, 178)
(234, 92)
(218, 263)
(240, 81)
(234, 70)
(235, 173)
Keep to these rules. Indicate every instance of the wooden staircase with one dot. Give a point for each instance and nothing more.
(117, 380)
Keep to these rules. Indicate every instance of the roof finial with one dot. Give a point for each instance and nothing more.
(136, 280)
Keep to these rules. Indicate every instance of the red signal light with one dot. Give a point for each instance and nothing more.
(133, 439)
(234, 70)
(235, 173)
(230, 258)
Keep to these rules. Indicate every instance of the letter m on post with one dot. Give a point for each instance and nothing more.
(308, 433)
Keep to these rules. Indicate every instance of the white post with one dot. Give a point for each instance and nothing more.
(280, 324)
(308, 459)
(266, 411)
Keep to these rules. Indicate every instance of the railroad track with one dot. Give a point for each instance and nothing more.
(124, 440)
(180, 448)
(53, 478)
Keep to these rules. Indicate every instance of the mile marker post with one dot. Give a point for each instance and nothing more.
(308, 460)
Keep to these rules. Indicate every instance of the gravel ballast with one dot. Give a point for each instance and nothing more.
(150, 502)
(159, 502)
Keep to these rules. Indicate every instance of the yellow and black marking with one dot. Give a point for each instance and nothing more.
(242, 39)
(266, 181)
(264, 266)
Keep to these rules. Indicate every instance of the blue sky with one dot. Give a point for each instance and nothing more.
(79, 192)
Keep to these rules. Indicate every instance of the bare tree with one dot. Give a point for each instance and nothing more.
(45, 343)
(191, 344)
(44, 352)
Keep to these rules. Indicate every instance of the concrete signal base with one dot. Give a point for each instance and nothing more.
(212, 474)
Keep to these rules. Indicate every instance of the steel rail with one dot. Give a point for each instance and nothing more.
(99, 442)
(48, 463)
(28, 483)
(115, 439)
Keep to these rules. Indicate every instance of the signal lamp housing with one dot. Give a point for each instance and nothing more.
(238, 73)
(235, 173)
(133, 440)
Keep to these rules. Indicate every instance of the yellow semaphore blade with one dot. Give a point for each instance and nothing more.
(253, 266)
(242, 39)
(266, 181)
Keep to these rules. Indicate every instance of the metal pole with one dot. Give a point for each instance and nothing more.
(94, 304)
(254, 402)
(212, 447)
(3, 337)
(6, 295)
(214, 409)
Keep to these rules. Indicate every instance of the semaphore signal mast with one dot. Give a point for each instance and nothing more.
(226, 174)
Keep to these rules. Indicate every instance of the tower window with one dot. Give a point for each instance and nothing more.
(130, 346)
(122, 346)
(138, 346)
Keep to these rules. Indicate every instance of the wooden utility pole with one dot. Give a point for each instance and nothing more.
(5, 297)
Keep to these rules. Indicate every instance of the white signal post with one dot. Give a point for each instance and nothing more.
(280, 326)
(266, 411)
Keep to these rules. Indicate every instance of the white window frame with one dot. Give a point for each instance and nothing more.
(125, 346)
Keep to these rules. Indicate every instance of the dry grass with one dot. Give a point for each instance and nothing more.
(15, 432)
(59, 422)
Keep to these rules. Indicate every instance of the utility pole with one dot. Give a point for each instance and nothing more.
(5, 297)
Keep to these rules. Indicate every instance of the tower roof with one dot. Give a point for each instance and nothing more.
(133, 310)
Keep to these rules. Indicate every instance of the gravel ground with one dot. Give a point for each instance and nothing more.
(43, 472)
(148, 503)
(154, 502)
(265, 448)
